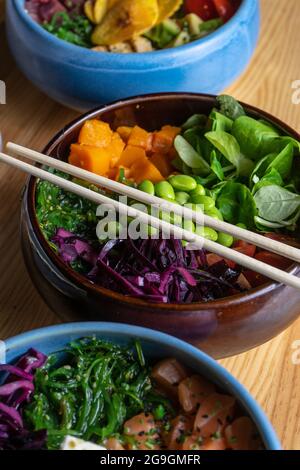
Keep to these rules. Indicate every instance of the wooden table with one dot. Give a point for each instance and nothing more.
(30, 118)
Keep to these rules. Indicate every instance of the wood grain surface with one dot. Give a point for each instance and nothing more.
(30, 119)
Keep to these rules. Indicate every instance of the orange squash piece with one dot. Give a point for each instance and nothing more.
(90, 158)
(124, 132)
(163, 140)
(162, 163)
(96, 133)
(140, 138)
(116, 148)
(145, 170)
(132, 155)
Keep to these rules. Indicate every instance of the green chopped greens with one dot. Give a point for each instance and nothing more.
(75, 29)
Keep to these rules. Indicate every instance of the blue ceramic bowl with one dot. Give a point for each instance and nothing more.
(82, 78)
(155, 345)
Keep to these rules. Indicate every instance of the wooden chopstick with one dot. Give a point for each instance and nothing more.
(239, 258)
(256, 239)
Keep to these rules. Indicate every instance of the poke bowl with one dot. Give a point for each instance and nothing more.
(82, 78)
(225, 314)
(153, 397)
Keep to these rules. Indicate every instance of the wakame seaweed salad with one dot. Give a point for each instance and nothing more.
(89, 390)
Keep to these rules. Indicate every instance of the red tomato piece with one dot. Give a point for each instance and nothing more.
(204, 8)
(245, 248)
(224, 9)
(273, 259)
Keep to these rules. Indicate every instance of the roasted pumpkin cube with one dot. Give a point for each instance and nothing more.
(96, 133)
(90, 158)
(140, 138)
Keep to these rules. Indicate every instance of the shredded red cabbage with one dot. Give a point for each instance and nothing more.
(15, 391)
(153, 270)
(43, 10)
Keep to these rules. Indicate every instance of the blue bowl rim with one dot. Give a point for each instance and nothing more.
(133, 59)
(263, 424)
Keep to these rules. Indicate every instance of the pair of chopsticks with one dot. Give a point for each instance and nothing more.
(237, 232)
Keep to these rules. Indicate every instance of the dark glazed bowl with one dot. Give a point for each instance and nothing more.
(221, 328)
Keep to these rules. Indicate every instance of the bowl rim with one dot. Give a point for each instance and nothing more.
(134, 58)
(80, 281)
(217, 371)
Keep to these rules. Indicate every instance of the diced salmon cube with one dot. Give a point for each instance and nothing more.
(168, 374)
(113, 444)
(196, 442)
(142, 433)
(180, 427)
(214, 414)
(192, 392)
(243, 435)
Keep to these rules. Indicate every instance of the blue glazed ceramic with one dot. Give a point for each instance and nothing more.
(82, 78)
(155, 345)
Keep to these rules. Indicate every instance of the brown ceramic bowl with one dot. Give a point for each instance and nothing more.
(222, 327)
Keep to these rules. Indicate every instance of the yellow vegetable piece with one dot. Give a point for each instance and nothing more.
(111, 3)
(127, 18)
(167, 8)
(89, 10)
(100, 9)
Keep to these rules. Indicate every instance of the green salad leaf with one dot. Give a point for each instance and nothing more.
(229, 147)
(255, 138)
(190, 156)
(276, 204)
(236, 203)
(230, 107)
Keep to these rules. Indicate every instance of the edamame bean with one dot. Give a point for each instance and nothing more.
(198, 191)
(171, 218)
(194, 207)
(147, 187)
(181, 197)
(207, 232)
(189, 225)
(164, 190)
(215, 214)
(207, 202)
(225, 239)
(183, 183)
